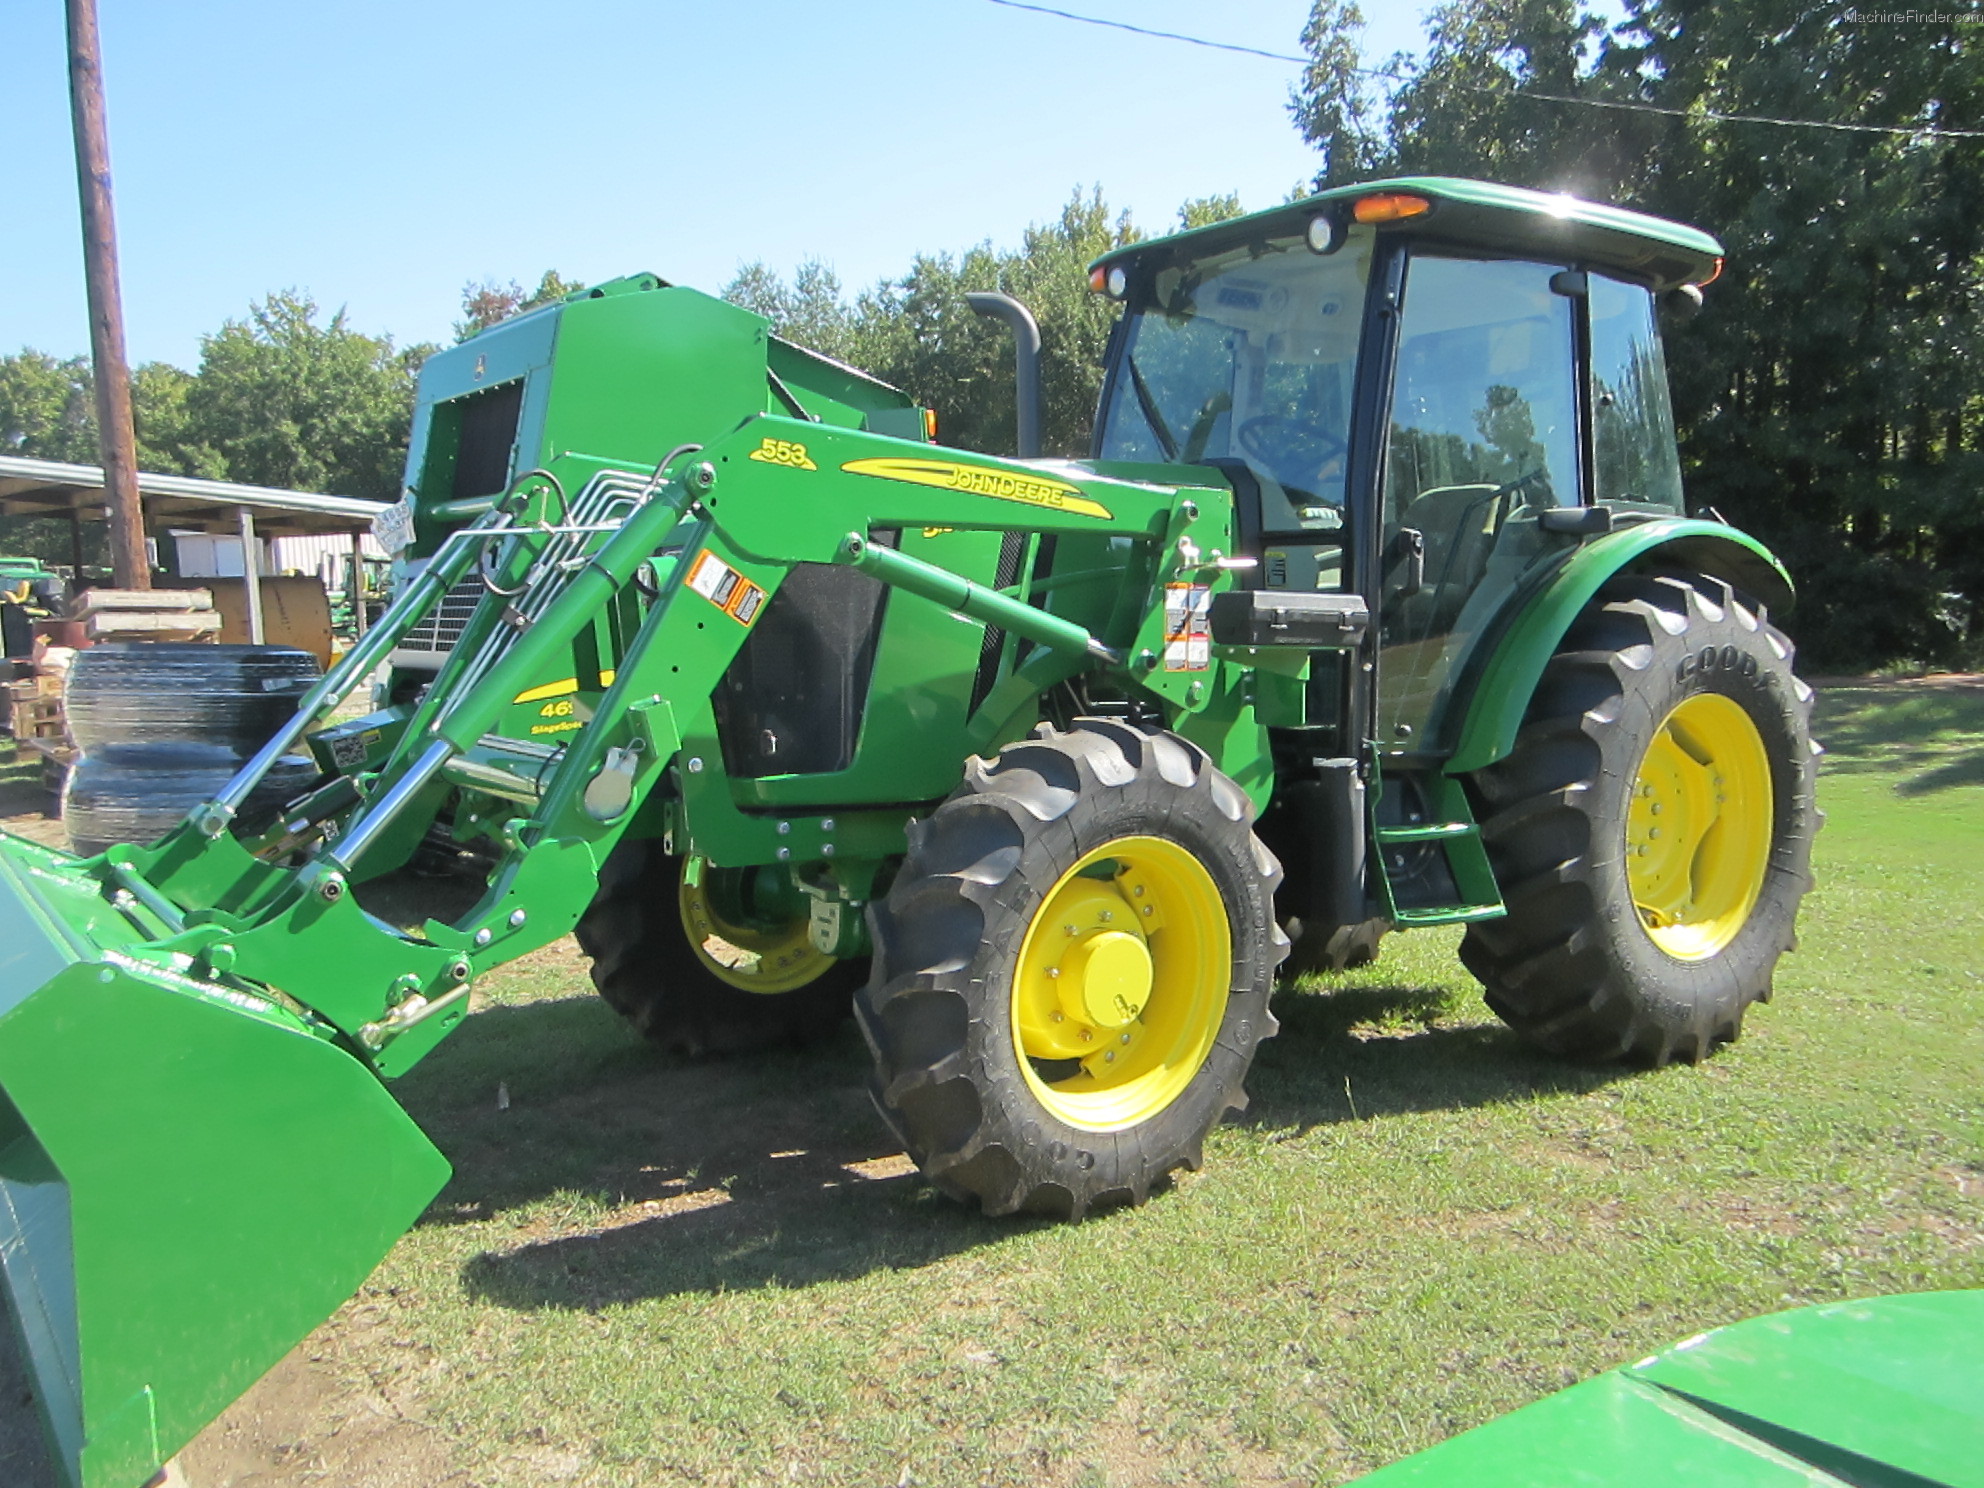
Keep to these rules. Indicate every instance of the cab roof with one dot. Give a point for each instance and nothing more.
(1478, 215)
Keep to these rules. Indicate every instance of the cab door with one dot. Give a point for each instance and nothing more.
(1481, 440)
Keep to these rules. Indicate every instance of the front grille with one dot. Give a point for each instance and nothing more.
(429, 642)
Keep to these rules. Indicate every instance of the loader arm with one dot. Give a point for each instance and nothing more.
(394, 995)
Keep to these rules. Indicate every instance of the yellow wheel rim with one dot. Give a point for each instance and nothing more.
(1698, 830)
(752, 960)
(1121, 984)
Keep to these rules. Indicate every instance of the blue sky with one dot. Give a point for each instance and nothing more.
(379, 154)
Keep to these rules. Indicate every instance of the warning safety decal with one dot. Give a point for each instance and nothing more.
(1187, 640)
(726, 588)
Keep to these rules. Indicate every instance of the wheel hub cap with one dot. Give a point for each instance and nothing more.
(1110, 975)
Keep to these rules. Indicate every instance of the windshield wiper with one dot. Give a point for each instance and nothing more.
(1148, 404)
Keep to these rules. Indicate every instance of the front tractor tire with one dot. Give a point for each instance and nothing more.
(1072, 970)
(685, 960)
(1652, 829)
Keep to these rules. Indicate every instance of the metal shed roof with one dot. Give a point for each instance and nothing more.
(49, 488)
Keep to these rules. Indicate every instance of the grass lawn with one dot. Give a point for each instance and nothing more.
(649, 1271)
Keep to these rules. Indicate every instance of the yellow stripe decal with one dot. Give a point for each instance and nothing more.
(976, 480)
(559, 689)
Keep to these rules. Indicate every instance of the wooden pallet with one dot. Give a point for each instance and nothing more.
(39, 718)
(27, 689)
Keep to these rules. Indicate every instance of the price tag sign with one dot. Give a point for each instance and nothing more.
(393, 527)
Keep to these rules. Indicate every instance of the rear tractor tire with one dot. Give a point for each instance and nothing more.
(1072, 970)
(1652, 829)
(694, 971)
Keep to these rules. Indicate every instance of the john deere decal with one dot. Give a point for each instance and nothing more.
(1001, 485)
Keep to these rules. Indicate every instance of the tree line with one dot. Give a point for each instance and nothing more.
(1828, 398)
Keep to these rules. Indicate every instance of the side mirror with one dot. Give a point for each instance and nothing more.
(1576, 521)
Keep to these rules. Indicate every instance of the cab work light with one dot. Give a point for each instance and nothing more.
(1390, 206)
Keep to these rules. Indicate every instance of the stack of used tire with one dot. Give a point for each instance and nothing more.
(163, 726)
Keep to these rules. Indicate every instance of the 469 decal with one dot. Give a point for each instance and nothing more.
(784, 452)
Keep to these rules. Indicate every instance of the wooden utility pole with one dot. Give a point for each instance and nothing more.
(117, 438)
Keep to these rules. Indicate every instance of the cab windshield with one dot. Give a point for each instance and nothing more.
(1250, 354)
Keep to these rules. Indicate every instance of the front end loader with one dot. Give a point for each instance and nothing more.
(1377, 606)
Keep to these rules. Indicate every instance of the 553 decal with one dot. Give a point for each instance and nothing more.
(783, 452)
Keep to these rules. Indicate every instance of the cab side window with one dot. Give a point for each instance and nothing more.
(1632, 423)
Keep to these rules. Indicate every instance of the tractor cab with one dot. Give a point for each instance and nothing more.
(1426, 393)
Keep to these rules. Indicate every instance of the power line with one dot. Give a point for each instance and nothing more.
(1923, 132)
(1199, 41)
(1918, 132)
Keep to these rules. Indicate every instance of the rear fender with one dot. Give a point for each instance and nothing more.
(1503, 686)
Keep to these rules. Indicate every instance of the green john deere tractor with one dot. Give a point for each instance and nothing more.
(1378, 606)
(26, 590)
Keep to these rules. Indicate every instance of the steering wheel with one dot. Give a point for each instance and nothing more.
(1283, 444)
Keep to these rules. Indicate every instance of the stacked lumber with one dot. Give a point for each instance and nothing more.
(148, 615)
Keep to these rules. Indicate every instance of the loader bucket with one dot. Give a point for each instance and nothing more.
(190, 1177)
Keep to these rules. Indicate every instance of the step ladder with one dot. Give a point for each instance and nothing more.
(1450, 825)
